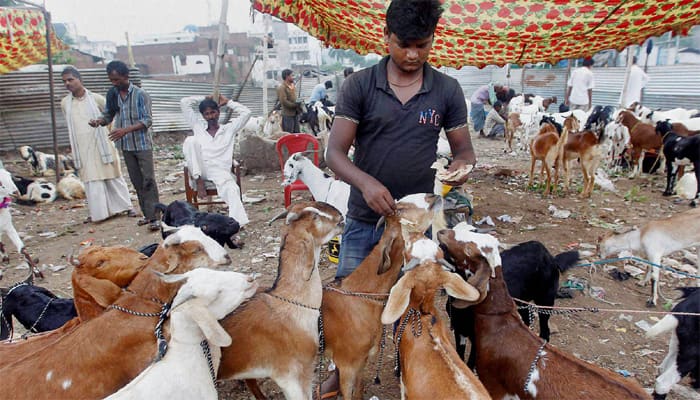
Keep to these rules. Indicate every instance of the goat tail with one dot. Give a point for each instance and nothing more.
(567, 260)
(666, 324)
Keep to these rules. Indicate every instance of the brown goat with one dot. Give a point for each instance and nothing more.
(513, 123)
(101, 355)
(430, 366)
(97, 281)
(512, 362)
(275, 333)
(643, 137)
(547, 148)
(585, 147)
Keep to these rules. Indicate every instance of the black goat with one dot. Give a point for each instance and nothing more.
(683, 358)
(675, 149)
(600, 117)
(546, 119)
(36, 308)
(219, 227)
(531, 273)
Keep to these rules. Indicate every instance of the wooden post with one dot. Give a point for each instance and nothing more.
(625, 85)
(47, 19)
(220, 48)
(130, 52)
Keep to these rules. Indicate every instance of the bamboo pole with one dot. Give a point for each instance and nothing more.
(220, 48)
(47, 18)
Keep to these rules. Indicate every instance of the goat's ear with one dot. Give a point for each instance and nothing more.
(386, 256)
(457, 287)
(210, 327)
(278, 216)
(291, 217)
(170, 278)
(102, 291)
(398, 299)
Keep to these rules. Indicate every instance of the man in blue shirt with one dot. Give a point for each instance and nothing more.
(129, 107)
(319, 93)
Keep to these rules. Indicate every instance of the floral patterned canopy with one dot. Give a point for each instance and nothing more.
(496, 32)
(23, 38)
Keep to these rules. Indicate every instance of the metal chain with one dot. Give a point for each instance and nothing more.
(321, 350)
(296, 303)
(540, 353)
(33, 327)
(137, 313)
(158, 331)
(366, 296)
(204, 344)
(412, 314)
(380, 359)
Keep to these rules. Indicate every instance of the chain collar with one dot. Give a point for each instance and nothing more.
(412, 315)
(296, 303)
(43, 312)
(373, 297)
(206, 350)
(162, 344)
(533, 366)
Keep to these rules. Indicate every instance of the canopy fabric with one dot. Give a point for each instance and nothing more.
(23, 38)
(496, 32)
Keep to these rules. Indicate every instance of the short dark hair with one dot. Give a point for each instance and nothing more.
(413, 19)
(328, 84)
(207, 103)
(70, 70)
(286, 73)
(497, 104)
(347, 71)
(587, 62)
(118, 67)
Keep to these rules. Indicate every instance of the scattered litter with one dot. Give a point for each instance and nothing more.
(653, 318)
(643, 325)
(597, 291)
(621, 330)
(623, 372)
(625, 317)
(486, 220)
(634, 271)
(269, 255)
(602, 224)
(22, 265)
(529, 228)
(256, 260)
(505, 218)
(602, 180)
(603, 341)
(556, 213)
(574, 283)
(253, 199)
(48, 234)
(645, 352)
(585, 253)
(587, 246)
(619, 275)
(56, 268)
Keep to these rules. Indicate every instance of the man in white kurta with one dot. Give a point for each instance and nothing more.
(94, 154)
(209, 151)
(637, 81)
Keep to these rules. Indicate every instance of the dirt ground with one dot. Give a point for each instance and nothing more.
(610, 338)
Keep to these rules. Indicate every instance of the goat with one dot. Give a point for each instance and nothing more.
(643, 137)
(586, 147)
(7, 189)
(323, 187)
(513, 126)
(511, 361)
(531, 273)
(31, 192)
(351, 341)
(118, 344)
(547, 148)
(654, 240)
(430, 367)
(275, 333)
(654, 116)
(42, 163)
(97, 280)
(70, 187)
(221, 228)
(196, 337)
(676, 149)
(683, 356)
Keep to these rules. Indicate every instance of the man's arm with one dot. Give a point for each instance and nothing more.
(282, 95)
(243, 112)
(590, 99)
(342, 136)
(463, 151)
(143, 105)
(187, 105)
(568, 93)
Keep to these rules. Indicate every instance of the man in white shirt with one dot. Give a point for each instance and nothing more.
(209, 152)
(637, 81)
(579, 91)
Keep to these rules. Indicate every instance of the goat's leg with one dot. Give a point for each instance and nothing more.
(351, 382)
(532, 169)
(549, 177)
(295, 387)
(656, 260)
(15, 239)
(671, 171)
(669, 375)
(696, 165)
(5, 256)
(254, 389)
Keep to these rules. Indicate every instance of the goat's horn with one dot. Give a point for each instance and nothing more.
(447, 265)
(381, 222)
(281, 215)
(411, 264)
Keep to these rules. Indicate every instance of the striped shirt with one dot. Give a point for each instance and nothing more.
(135, 108)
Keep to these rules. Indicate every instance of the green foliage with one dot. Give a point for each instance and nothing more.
(634, 195)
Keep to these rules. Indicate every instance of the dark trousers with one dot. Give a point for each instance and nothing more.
(142, 175)
(290, 124)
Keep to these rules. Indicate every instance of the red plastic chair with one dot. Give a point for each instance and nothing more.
(292, 143)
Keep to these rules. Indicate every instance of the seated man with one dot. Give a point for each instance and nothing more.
(319, 93)
(495, 123)
(209, 152)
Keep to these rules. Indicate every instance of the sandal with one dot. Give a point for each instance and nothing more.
(154, 225)
(132, 213)
(142, 221)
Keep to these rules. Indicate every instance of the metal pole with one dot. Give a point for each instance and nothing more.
(266, 27)
(47, 18)
(130, 52)
(223, 30)
(625, 86)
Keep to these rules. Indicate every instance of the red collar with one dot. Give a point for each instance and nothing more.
(6, 202)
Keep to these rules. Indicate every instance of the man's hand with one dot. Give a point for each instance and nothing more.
(458, 165)
(117, 134)
(201, 189)
(566, 102)
(223, 100)
(378, 198)
(97, 122)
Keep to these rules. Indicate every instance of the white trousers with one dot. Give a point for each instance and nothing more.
(107, 197)
(222, 177)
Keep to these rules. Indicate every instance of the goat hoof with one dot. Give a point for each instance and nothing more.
(666, 194)
(651, 303)
(694, 203)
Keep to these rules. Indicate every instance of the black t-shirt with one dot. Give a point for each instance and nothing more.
(397, 143)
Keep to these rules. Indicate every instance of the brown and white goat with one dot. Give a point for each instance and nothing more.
(512, 362)
(547, 147)
(430, 366)
(351, 323)
(643, 137)
(103, 354)
(275, 333)
(654, 240)
(584, 146)
(513, 125)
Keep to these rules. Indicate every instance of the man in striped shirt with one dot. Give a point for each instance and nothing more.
(129, 108)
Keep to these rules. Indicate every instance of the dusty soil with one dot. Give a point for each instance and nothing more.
(499, 186)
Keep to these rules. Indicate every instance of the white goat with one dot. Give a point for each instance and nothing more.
(70, 187)
(322, 186)
(654, 240)
(653, 116)
(7, 189)
(185, 371)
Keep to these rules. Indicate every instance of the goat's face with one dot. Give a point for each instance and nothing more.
(321, 220)
(293, 168)
(571, 124)
(118, 264)
(457, 241)
(417, 211)
(189, 248)
(25, 152)
(7, 185)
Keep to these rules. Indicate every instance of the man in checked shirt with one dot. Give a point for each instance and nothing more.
(129, 107)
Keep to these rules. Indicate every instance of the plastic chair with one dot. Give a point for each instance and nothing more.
(292, 143)
(191, 188)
